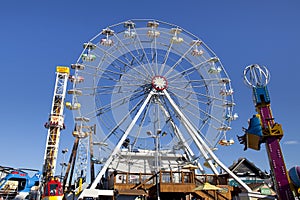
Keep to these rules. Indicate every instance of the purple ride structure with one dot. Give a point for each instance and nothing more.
(263, 129)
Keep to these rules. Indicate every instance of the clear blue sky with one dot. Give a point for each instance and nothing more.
(36, 36)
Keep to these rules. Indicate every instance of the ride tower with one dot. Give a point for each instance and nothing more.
(52, 187)
(263, 129)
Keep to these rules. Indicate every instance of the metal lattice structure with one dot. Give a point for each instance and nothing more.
(55, 123)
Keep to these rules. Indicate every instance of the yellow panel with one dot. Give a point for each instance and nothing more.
(253, 141)
(63, 69)
(276, 130)
(52, 198)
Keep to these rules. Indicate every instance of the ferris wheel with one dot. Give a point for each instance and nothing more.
(140, 79)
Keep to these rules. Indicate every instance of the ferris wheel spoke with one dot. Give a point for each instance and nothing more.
(113, 89)
(113, 93)
(108, 92)
(138, 133)
(192, 109)
(134, 56)
(184, 99)
(109, 88)
(139, 48)
(119, 74)
(154, 55)
(187, 71)
(208, 98)
(116, 104)
(187, 103)
(176, 130)
(190, 99)
(135, 108)
(128, 63)
(106, 108)
(195, 83)
(165, 59)
(115, 80)
(177, 63)
(105, 91)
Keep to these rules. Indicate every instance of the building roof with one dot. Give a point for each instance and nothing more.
(245, 168)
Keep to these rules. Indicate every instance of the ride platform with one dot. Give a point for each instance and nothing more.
(168, 185)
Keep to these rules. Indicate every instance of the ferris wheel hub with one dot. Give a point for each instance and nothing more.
(159, 83)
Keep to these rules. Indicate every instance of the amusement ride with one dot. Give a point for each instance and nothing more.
(264, 129)
(148, 85)
(51, 186)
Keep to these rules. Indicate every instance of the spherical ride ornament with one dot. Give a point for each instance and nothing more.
(148, 75)
(256, 76)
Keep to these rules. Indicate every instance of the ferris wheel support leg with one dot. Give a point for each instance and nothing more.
(180, 136)
(117, 148)
(192, 131)
(200, 146)
(203, 144)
